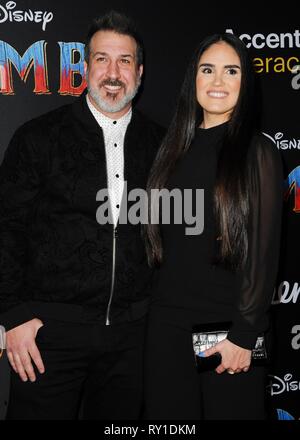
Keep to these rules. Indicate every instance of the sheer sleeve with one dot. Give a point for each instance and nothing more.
(18, 188)
(257, 279)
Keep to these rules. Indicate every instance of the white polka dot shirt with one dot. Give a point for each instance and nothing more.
(114, 133)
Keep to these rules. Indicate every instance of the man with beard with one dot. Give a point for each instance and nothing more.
(74, 292)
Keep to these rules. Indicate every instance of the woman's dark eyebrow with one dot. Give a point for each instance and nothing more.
(232, 66)
(228, 66)
(206, 65)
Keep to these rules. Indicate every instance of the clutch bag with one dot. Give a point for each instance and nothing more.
(203, 340)
(2, 337)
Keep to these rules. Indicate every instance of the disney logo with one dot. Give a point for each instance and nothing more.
(8, 14)
(284, 144)
(279, 386)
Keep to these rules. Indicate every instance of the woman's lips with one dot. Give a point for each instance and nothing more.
(215, 94)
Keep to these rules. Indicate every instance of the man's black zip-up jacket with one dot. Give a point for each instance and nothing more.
(52, 249)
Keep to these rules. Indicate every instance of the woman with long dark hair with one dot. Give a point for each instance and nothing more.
(226, 273)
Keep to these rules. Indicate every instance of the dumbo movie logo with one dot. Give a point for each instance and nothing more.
(9, 14)
(72, 81)
(292, 187)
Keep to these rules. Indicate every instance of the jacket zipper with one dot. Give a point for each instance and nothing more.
(115, 234)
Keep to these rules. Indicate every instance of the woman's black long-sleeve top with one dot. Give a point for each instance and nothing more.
(191, 290)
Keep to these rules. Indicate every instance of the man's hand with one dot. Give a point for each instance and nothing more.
(22, 350)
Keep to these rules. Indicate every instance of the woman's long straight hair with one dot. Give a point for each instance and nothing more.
(233, 182)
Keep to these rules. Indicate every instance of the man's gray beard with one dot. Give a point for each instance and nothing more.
(110, 107)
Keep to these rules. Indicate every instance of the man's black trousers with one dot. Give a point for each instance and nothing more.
(93, 371)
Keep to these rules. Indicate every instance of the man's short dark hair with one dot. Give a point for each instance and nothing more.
(119, 23)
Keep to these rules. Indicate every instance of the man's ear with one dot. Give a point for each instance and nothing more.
(85, 67)
(141, 70)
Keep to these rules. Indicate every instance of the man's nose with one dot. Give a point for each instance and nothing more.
(113, 70)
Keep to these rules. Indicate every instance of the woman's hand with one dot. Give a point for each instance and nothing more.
(234, 358)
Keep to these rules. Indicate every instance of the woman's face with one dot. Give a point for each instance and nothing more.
(218, 83)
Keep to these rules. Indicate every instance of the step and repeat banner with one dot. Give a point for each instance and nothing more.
(41, 68)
